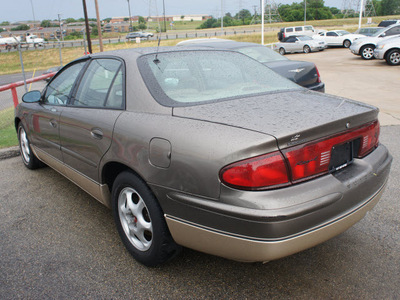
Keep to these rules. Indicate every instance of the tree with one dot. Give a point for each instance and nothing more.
(70, 20)
(20, 27)
(243, 15)
(142, 20)
(4, 23)
(45, 23)
(390, 7)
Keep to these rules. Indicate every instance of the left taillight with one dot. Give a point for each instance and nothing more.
(318, 75)
(257, 173)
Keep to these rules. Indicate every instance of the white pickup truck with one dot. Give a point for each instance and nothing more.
(31, 40)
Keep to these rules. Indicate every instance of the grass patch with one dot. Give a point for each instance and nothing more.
(8, 135)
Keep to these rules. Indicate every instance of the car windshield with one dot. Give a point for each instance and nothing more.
(379, 32)
(261, 53)
(187, 78)
(342, 32)
(304, 38)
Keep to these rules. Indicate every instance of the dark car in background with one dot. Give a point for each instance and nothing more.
(386, 23)
(207, 149)
(303, 73)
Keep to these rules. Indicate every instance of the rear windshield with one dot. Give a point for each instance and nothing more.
(188, 78)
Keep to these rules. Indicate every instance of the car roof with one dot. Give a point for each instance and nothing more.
(218, 44)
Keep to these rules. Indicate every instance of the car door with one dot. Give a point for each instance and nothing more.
(87, 122)
(46, 118)
(333, 39)
(290, 44)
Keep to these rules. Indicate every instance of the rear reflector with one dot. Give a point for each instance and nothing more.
(301, 162)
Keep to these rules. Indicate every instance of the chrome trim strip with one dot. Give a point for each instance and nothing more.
(249, 250)
(98, 191)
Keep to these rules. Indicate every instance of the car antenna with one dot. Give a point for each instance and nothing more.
(156, 60)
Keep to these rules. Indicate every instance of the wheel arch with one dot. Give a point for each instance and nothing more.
(16, 123)
(112, 169)
(387, 51)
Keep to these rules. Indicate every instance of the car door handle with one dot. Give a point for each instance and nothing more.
(96, 134)
(53, 123)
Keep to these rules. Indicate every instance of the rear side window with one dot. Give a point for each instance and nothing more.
(298, 29)
(289, 29)
(101, 85)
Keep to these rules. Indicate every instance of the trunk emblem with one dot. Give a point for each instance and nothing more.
(296, 70)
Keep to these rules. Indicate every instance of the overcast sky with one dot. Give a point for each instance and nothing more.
(20, 10)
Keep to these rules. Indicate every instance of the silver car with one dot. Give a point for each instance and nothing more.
(207, 149)
(293, 44)
(389, 50)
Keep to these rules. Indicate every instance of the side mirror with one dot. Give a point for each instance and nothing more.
(31, 97)
(383, 35)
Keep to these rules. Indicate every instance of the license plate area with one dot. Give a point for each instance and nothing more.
(341, 156)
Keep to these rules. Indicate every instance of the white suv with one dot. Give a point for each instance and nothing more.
(365, 46)
(296, 30)
(389, 50)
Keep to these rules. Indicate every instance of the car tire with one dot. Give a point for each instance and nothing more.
(140, 221)
(306, 49)
(28, 157)
(347, 43)
(393, 57)
(367, 52)
(282, 51)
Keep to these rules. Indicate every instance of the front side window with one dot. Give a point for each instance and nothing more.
(58, 90)
(331, 34)
(393, 31)
(101, 85)
(194, 77)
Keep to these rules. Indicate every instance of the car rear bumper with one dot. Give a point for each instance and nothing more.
(318, 87)
(252, 250)
(267, 225)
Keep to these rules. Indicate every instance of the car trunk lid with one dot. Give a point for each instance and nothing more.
(300, 72)
(293, 118)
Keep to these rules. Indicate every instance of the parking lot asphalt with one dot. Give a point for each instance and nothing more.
(57, 242)
(347, 75)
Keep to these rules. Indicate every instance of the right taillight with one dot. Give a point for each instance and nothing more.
(299, 163)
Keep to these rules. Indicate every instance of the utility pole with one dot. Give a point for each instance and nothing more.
(262, 21)
(222, 15)
(87, 27)
(130, 17)
(165, 23)
(33, 13)
(305, 11)
(98, 25)
(61, 30)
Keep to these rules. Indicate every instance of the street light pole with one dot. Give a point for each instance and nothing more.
(305, 11)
